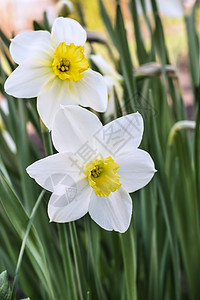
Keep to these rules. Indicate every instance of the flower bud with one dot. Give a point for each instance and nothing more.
(64, 8)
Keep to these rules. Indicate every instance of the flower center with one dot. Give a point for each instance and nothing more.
(69, 62)
(102, 176)
(97, 171)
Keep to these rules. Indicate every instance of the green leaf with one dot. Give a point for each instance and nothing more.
(125, 57)
(5, 290)
(141, 51)
(4, 38)
(19, 219)
(118, 109)
(37, 26)
(159, 38)
(193, 47)
(107, 22)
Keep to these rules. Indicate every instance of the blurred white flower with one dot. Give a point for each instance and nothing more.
(113, 81)
(105, 68)
(53, 68)
(95, 169)
(64, 8)
(171, 8)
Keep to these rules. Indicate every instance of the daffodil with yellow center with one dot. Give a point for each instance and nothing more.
(69, 62)
(96, 168)
(53, 68)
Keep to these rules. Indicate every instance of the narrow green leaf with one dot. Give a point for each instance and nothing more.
(125, 57)
(4, 39)
(193, 46)
(141, 51)
(107, 22)
(118, 109)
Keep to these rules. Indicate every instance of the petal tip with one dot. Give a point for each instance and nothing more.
(28, 170)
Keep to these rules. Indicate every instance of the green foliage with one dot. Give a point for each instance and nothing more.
(5, 290)
(159, 256)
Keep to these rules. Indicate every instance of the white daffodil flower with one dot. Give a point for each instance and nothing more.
(53, 68)
(113, 80)
(96, 168)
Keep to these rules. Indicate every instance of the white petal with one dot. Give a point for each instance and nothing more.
(31, 44)
(121, 134)
(52, 95)
(112, 212)
(69, 31)
(105, 68)
(110, 83)
(110, 113)
(91, 91)
(73, 127)
(28, 78)
(56, 172)
(70, 206)
(136, 169)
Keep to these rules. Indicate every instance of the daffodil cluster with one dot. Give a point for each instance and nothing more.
(96, 166)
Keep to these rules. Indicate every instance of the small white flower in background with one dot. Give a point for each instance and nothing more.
(6, 135)
(96, 168)
(171, 8)
(105, 68)
(53, 67)
(113, 80)
(63, 8)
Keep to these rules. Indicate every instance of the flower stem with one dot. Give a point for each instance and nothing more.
(46, 138)
(67, 262)
(129, 257)
(75, 248)
(197, 151)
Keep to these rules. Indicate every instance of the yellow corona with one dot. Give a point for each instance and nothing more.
(69, 62)
(102, 176)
